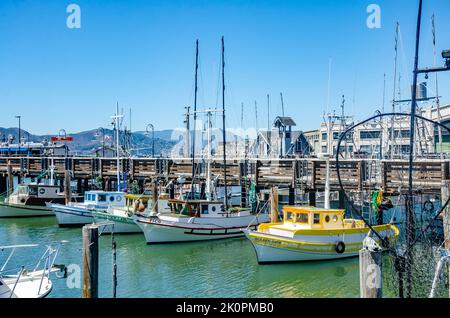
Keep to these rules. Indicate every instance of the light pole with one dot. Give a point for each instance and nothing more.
(19, 117)
(153, 137)
(61, 133)
(103, 139)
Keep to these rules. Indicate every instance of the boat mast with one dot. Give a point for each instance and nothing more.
(410, 223)
(393, 98)
(116, 124)
(195, 121)
(438, 108)
(223, 128)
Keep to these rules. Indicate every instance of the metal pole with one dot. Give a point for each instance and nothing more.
(195, 121)
(224, 128)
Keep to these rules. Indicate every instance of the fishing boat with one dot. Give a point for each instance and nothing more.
(77, 214)
(123, 216)
(198, 220)
(310, 233)
(25, 282)
(29, 200)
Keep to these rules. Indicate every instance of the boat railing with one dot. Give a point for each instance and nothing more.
(48, 258)
(16, 282)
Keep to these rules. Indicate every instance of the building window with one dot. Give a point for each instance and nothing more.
(324, 137)
(370, 134)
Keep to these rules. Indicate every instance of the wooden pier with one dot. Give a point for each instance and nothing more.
(306, 174)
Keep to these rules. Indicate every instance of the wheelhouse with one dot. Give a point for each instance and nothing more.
(313, 217)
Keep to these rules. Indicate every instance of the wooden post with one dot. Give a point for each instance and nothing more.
(67, 189)
(291, 195)
(370, 280)
(154, 195)
(445, 192)
(274, 204)
(10, 178)
(312, 198)
(90, 261)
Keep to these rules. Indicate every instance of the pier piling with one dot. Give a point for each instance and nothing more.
(370, 279)
(67, 189)
(10, 186)
(90, 261)
(274, 204)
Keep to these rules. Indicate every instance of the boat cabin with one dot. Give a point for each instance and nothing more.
(198, 208)
(312, 217)
(24, 194)
(104, 199)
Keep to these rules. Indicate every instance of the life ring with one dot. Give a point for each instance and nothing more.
(340, 247)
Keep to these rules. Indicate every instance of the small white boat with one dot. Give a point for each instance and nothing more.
(28, 283)
(78, 214)
(30, 201)
(310, 233)
(198, 220)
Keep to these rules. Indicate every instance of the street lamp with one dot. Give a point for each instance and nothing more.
(103, 139)
(153, 137)
(19, 117)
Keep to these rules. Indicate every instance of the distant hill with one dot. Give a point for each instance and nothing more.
(85, 142)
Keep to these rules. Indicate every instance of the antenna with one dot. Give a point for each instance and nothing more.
(268, 114)
(282, 104)
(256, 117)
(329, 85)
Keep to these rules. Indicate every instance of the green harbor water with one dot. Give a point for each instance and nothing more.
(224, 268)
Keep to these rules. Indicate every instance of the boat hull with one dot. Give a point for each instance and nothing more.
(122, 224)
(276, 249)
(158, 231)
(68, 216)
(19, 211)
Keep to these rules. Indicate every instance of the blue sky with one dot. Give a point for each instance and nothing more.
(141, 54)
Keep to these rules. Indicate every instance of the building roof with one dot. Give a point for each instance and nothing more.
(284, 121)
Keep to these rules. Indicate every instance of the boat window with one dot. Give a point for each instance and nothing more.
(111, 198)
(316, 218)
(335, 218)
(213, 208)
(327, 218)
(289, 216)
(302, 218)
(32, 191)
(205, 209)
(102, 197)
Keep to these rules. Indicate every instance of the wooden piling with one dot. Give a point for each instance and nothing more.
(370, 280)
(90, 261)
(67, 189)
(154, 195)
(274, 204)
(10, 186)
(445, 192)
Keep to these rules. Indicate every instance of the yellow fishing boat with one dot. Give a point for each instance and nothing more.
(310, 233)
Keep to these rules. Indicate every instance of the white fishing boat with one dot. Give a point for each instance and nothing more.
(198, 220)
(309, 233)
(30, 200)
(28, 283)
(77, 214)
